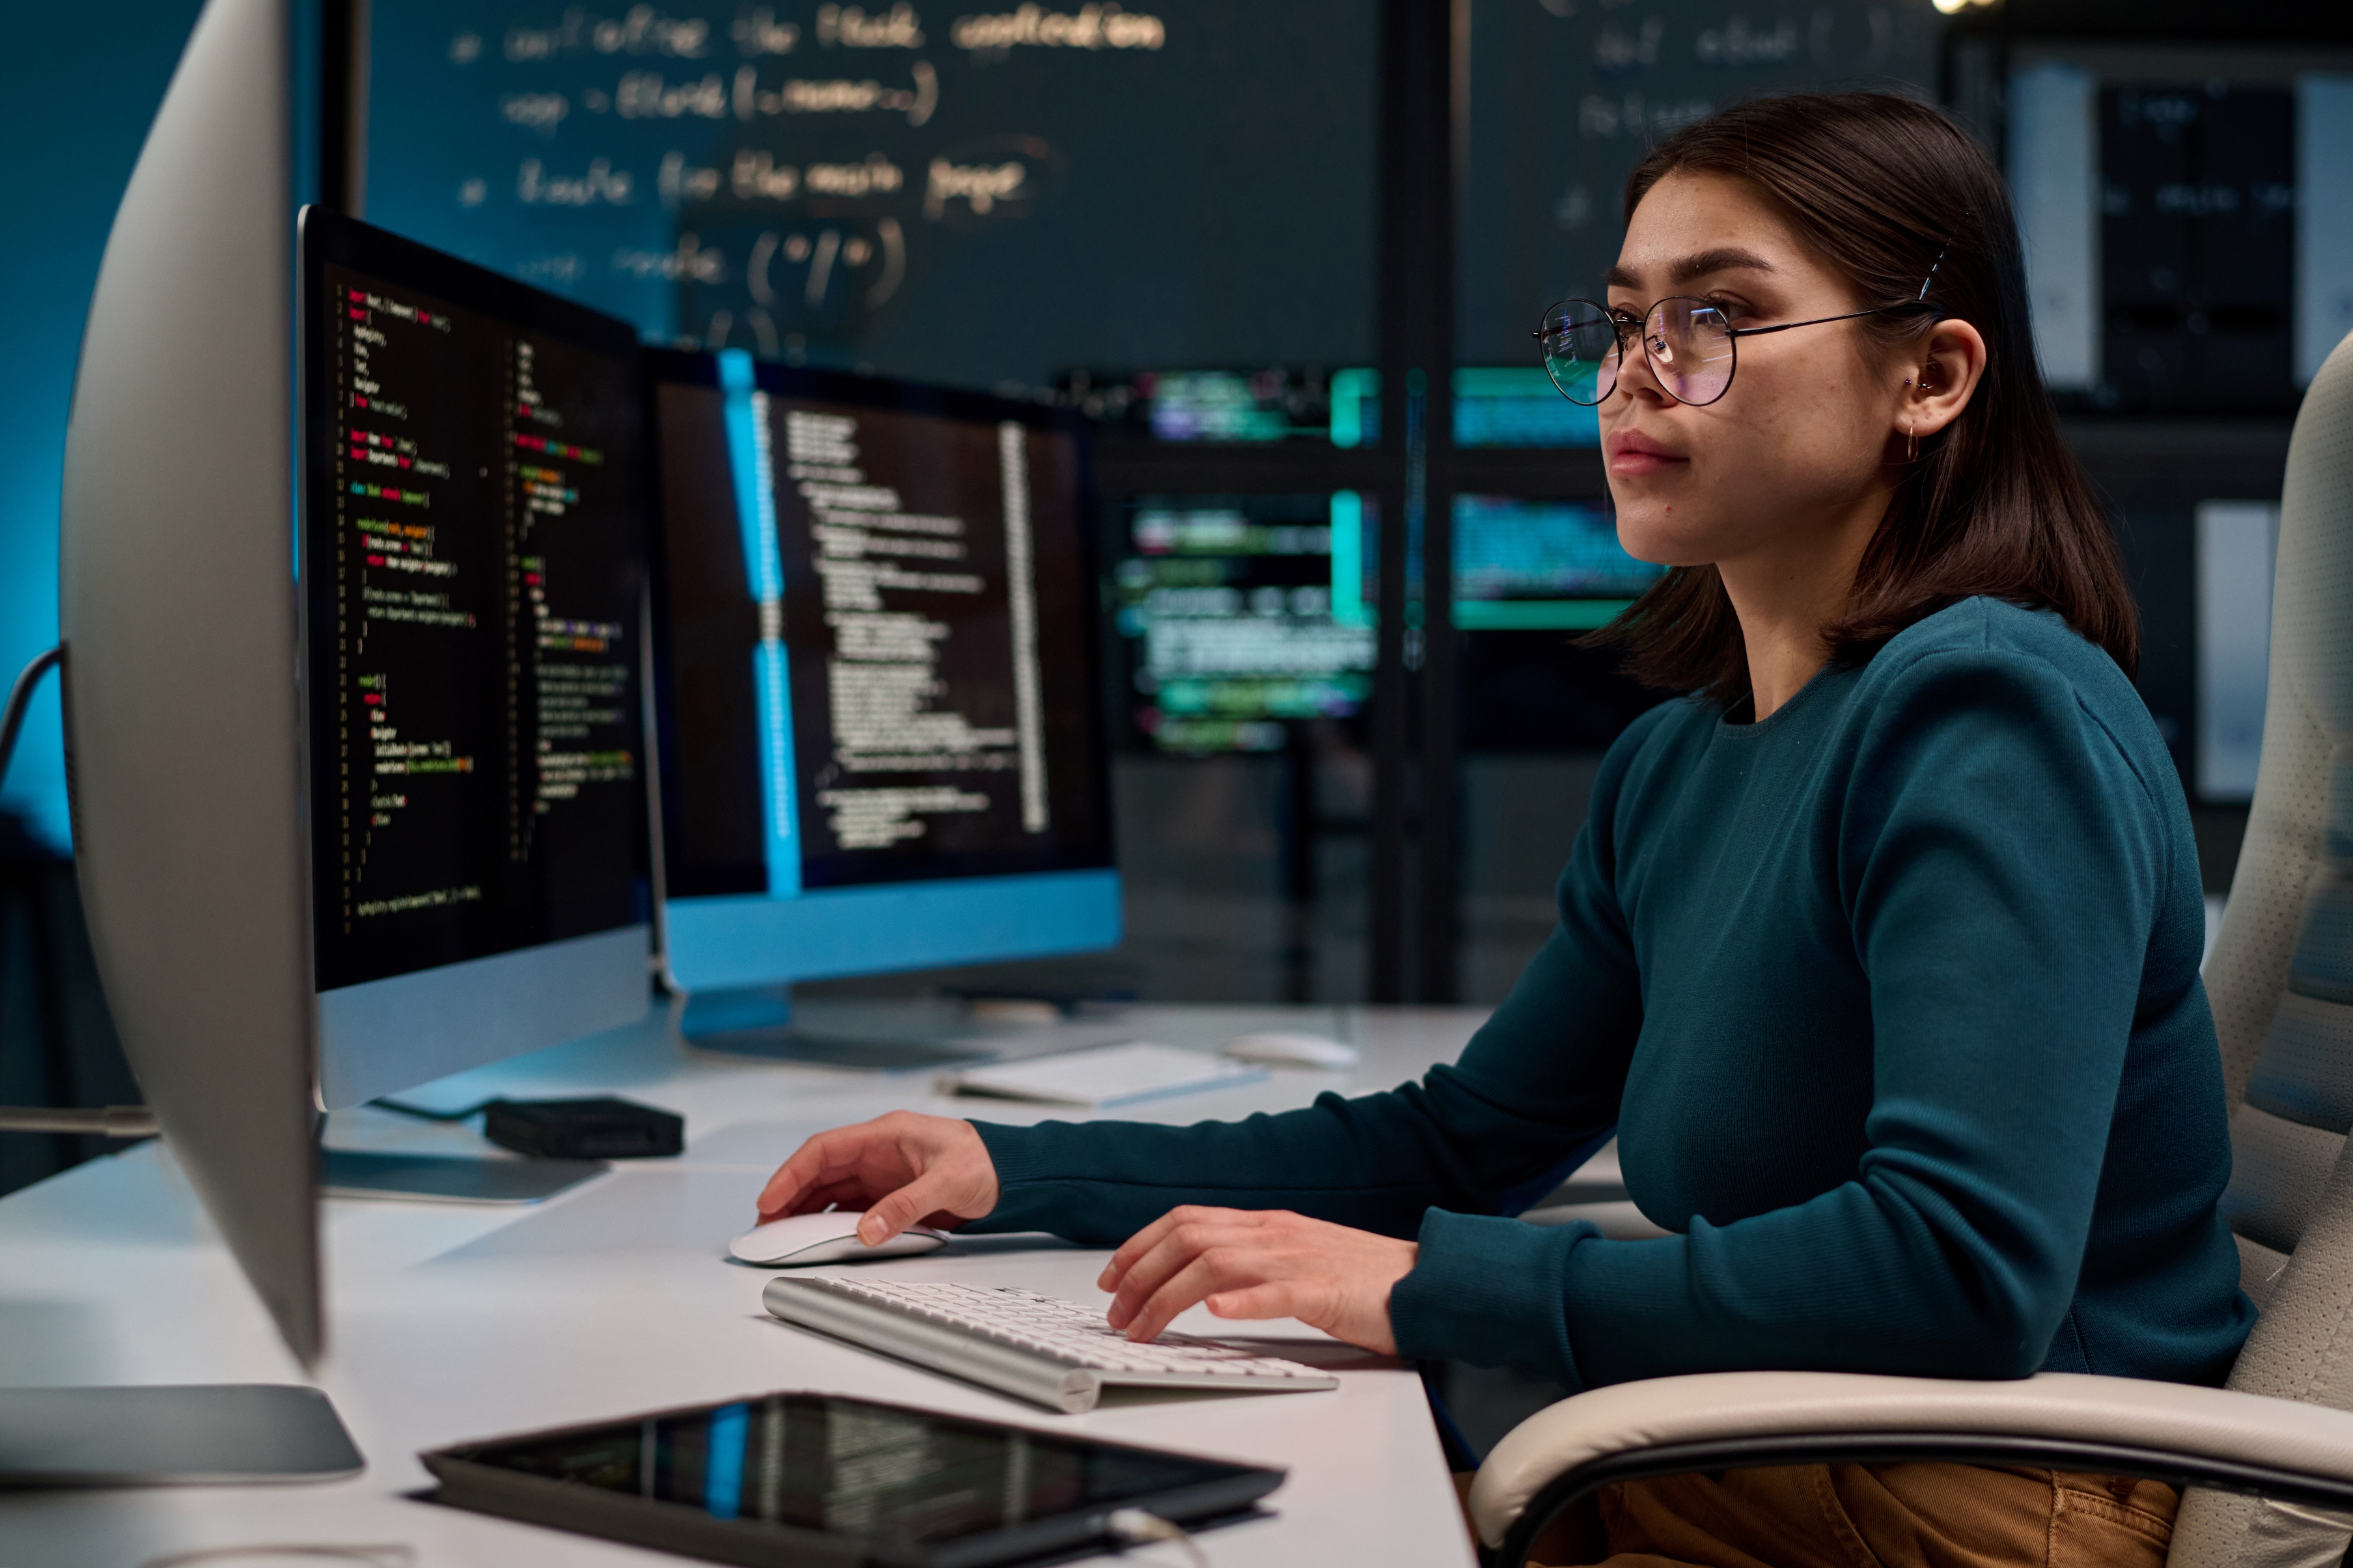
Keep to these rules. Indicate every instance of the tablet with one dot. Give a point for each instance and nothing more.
(825, 1479)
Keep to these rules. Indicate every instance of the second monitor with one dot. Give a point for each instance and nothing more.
(880, 736)
(473, 564)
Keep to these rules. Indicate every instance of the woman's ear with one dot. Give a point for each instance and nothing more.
(1940, 376)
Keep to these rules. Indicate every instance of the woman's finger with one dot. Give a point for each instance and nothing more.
(889, 1215)
(858, 1166)
(1177, 1247)
(1144, 1241)
(865, 1157)
(1219, 1269)
(843, 1195)
(812, 1163)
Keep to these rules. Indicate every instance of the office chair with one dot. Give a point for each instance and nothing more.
(2281, 978)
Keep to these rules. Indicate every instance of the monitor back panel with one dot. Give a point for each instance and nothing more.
(880, 739)
(473, 555)
(179, 718)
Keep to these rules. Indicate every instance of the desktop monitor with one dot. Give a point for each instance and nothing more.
(880, 730)
(176, 616)
(1239, 619)
(493, 902)
(473, 573)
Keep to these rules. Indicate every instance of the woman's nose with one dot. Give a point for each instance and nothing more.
(1637, 378)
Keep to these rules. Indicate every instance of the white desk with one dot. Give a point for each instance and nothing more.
(449, 1322)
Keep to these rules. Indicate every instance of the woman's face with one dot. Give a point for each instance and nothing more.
(1799, 444)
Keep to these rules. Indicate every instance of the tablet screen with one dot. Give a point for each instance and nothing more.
(849, 1467)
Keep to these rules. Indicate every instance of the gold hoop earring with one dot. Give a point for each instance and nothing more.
(1911, 443)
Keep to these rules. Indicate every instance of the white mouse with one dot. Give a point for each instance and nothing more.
(801, 1239)
(1290, 1048)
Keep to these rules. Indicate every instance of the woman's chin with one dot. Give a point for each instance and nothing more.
(1648, 541)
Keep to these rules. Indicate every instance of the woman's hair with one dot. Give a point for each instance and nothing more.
(1879, 186)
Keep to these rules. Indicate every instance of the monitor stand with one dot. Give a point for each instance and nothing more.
(449, 1178)
(760, 1021)
(228, 1435)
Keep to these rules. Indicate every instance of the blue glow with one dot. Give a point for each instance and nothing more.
(722, 1464)
(1355, 397)
(751, 939)
(764, 565)
(65, 177)
(1348, 607)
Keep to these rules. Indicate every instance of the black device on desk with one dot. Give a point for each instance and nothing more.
(599, 1127)
(824, 1478)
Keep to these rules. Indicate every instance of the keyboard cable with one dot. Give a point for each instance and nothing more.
(1134, 1527)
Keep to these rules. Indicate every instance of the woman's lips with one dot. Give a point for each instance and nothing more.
(1633, 453)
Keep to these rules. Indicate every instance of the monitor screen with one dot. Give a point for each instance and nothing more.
(1529, 565)
(2181, 206)
(474, 567)
(1518, 405)
(1240, 615)
(875, 639)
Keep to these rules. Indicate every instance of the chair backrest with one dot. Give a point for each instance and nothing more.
(2281, 980)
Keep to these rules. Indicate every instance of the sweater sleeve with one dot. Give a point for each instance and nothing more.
(1535, 1093)
(2000, 864)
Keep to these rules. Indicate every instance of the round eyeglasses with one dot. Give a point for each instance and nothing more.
(1692, 348)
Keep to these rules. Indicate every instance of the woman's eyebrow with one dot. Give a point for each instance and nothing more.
(1723, 258)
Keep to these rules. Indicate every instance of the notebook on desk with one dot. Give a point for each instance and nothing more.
(1102, 1077)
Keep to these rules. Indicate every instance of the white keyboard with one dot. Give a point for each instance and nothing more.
(1054, 1354)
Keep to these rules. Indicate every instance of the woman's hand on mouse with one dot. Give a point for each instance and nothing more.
(1250, 1263)
(903, 1169)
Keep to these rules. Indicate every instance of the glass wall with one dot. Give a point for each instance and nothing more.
(1566, 96)
(1288, 258)
(978, 199)
(1165, 213)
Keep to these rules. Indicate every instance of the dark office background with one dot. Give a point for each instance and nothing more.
(1288, 256)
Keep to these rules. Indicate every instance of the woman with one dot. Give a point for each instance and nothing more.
(1878, 950)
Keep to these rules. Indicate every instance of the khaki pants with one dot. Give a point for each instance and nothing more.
(1870, 1516)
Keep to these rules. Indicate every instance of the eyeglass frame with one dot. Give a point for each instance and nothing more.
(1917, 303)
(1732, 334)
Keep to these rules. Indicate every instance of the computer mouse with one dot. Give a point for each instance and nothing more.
(799, 1240)
(1290, 1048)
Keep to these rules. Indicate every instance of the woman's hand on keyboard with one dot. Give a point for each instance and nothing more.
(903, 1169)
(1249, 1263)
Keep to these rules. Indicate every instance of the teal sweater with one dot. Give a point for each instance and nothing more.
(1893, 1001)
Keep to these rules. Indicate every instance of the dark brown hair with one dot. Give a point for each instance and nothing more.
(1877, 185)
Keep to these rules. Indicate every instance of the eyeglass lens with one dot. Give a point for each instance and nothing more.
(1689, 342)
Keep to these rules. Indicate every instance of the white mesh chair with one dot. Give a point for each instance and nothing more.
(2270, 1456)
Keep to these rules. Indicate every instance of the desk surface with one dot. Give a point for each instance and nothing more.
(450, 1323)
